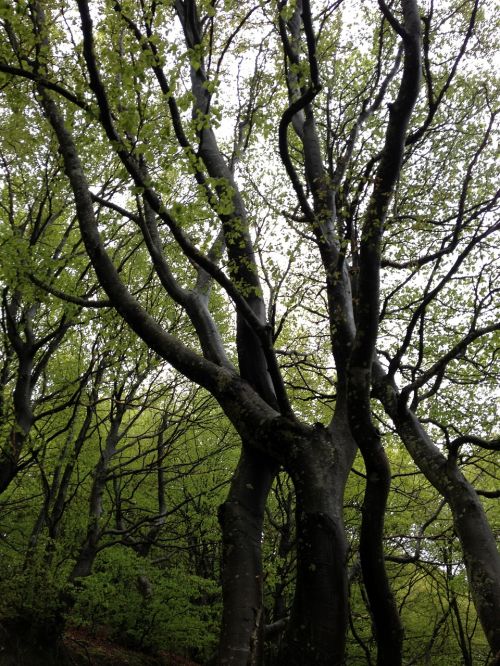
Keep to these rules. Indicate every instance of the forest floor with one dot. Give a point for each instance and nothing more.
(88, 650)
(80, 648)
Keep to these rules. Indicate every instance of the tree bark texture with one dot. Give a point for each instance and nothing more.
(316, 632)
(241, 519)
(477, 540)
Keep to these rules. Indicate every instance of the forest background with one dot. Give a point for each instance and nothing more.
(249, 356)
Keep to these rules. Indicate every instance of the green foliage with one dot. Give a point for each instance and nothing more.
(438, 241)
(33, 593)
(147, 607)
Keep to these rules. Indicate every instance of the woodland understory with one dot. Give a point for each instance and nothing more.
(250, 332)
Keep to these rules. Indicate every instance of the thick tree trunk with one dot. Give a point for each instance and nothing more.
(317, 628)
(241, 518)
(316, 633)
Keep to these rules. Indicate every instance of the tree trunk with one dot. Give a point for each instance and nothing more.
(481, 556)
(382, 604)
(316, 633)
(23, 419)
(89, 548)
(241, 518)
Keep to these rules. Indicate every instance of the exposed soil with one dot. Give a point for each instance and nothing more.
(80, 648)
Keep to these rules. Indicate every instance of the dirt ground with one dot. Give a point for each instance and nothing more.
(80, 648)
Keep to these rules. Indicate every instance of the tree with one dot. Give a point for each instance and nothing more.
(32, 329)
(277, 178)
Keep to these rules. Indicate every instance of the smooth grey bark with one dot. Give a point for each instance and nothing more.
(242, 514)
(241, 518)
(387, 622)
(241, 403)
(353, 346)
(317, 629)
(481, 556)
